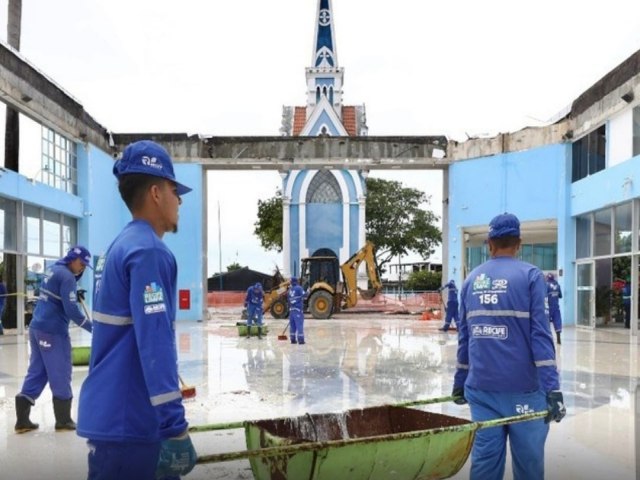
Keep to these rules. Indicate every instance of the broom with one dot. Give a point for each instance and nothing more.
(283, 336)
(187, 391)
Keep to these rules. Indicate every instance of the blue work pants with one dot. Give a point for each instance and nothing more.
(254, 311)
(556, 319)
(50, 361)
(452, 313)
(123, 460)
(526, 439)
(296, 325)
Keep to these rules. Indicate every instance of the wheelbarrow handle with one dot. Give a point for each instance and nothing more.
(240, 424)
(525, 417)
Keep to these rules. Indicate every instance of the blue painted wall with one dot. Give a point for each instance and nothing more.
(617, 184)
(531, 184)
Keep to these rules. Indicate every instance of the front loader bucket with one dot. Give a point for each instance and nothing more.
(368, 294)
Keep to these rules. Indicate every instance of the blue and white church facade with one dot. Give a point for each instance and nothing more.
(323, 210)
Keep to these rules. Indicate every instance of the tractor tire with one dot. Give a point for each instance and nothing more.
(321, 304)
(279, 308)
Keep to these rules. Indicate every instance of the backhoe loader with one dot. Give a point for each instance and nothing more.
(326, 292)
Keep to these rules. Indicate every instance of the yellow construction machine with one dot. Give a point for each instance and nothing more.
(326, 292)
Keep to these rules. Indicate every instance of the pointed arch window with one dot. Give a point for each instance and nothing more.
(317, 94)
(324, 188)
(324, 91)
(331, 95)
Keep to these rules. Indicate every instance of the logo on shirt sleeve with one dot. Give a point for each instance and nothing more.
(153, 299)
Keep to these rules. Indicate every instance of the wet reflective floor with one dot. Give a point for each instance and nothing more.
(351, 361)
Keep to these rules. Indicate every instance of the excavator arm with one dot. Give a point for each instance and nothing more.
(350, 275)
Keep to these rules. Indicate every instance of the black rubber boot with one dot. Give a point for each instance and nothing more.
(260, 333)
(62, 411)
(23, 408)
(558, 337)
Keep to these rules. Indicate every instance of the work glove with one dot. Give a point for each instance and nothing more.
(177, 457)
(80, 294)
(459, 392)
(555, 406)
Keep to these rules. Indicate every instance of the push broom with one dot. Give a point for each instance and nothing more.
(283, 336)
(187, 391)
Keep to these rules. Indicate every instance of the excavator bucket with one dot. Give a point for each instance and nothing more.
(368, 294)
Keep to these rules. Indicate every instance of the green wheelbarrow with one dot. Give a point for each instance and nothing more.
(385, 442)
(243, 330)
(80, 355)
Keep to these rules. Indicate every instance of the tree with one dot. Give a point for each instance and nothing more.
(396, 221)
(424, 280)
(268, 228)
(233, 267)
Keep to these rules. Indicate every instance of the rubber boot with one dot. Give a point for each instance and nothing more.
(259, 333)
(558, 337)
(62, 411)
(248, 330)
(23, 408)
(300, 340)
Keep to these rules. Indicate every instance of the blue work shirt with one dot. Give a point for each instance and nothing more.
(452, 294)
(554, 293)
(504, 338)
(132, 391)
(58, 303)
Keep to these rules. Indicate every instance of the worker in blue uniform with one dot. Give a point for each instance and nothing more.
(452, 305)
(296, 296)
(130, 406)
(506, 361)
(554, 294)
(50, 359)
(253, 303)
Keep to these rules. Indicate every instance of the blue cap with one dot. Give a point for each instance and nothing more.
(504, 225)
(147, 158)
(294, 280)
(78, 252)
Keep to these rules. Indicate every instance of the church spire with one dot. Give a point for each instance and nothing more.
(324, 53)
(324, 77)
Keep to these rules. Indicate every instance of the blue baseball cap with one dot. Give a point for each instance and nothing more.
(80, 252)
(504, 225)
(147, 158)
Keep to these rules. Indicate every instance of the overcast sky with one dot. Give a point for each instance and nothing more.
(214, 67)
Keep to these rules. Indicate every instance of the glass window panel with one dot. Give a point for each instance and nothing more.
(51, 233)
(602, 232)
(583, 236)
(69, 229)
(32, 229)
(623, 233)
(8, 225)
(585, 294)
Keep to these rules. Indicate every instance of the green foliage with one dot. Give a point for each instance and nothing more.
(233, 267)
(397, 221)
(424, 280)
(268, 227)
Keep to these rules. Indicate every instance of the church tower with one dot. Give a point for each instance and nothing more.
(323, 210)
